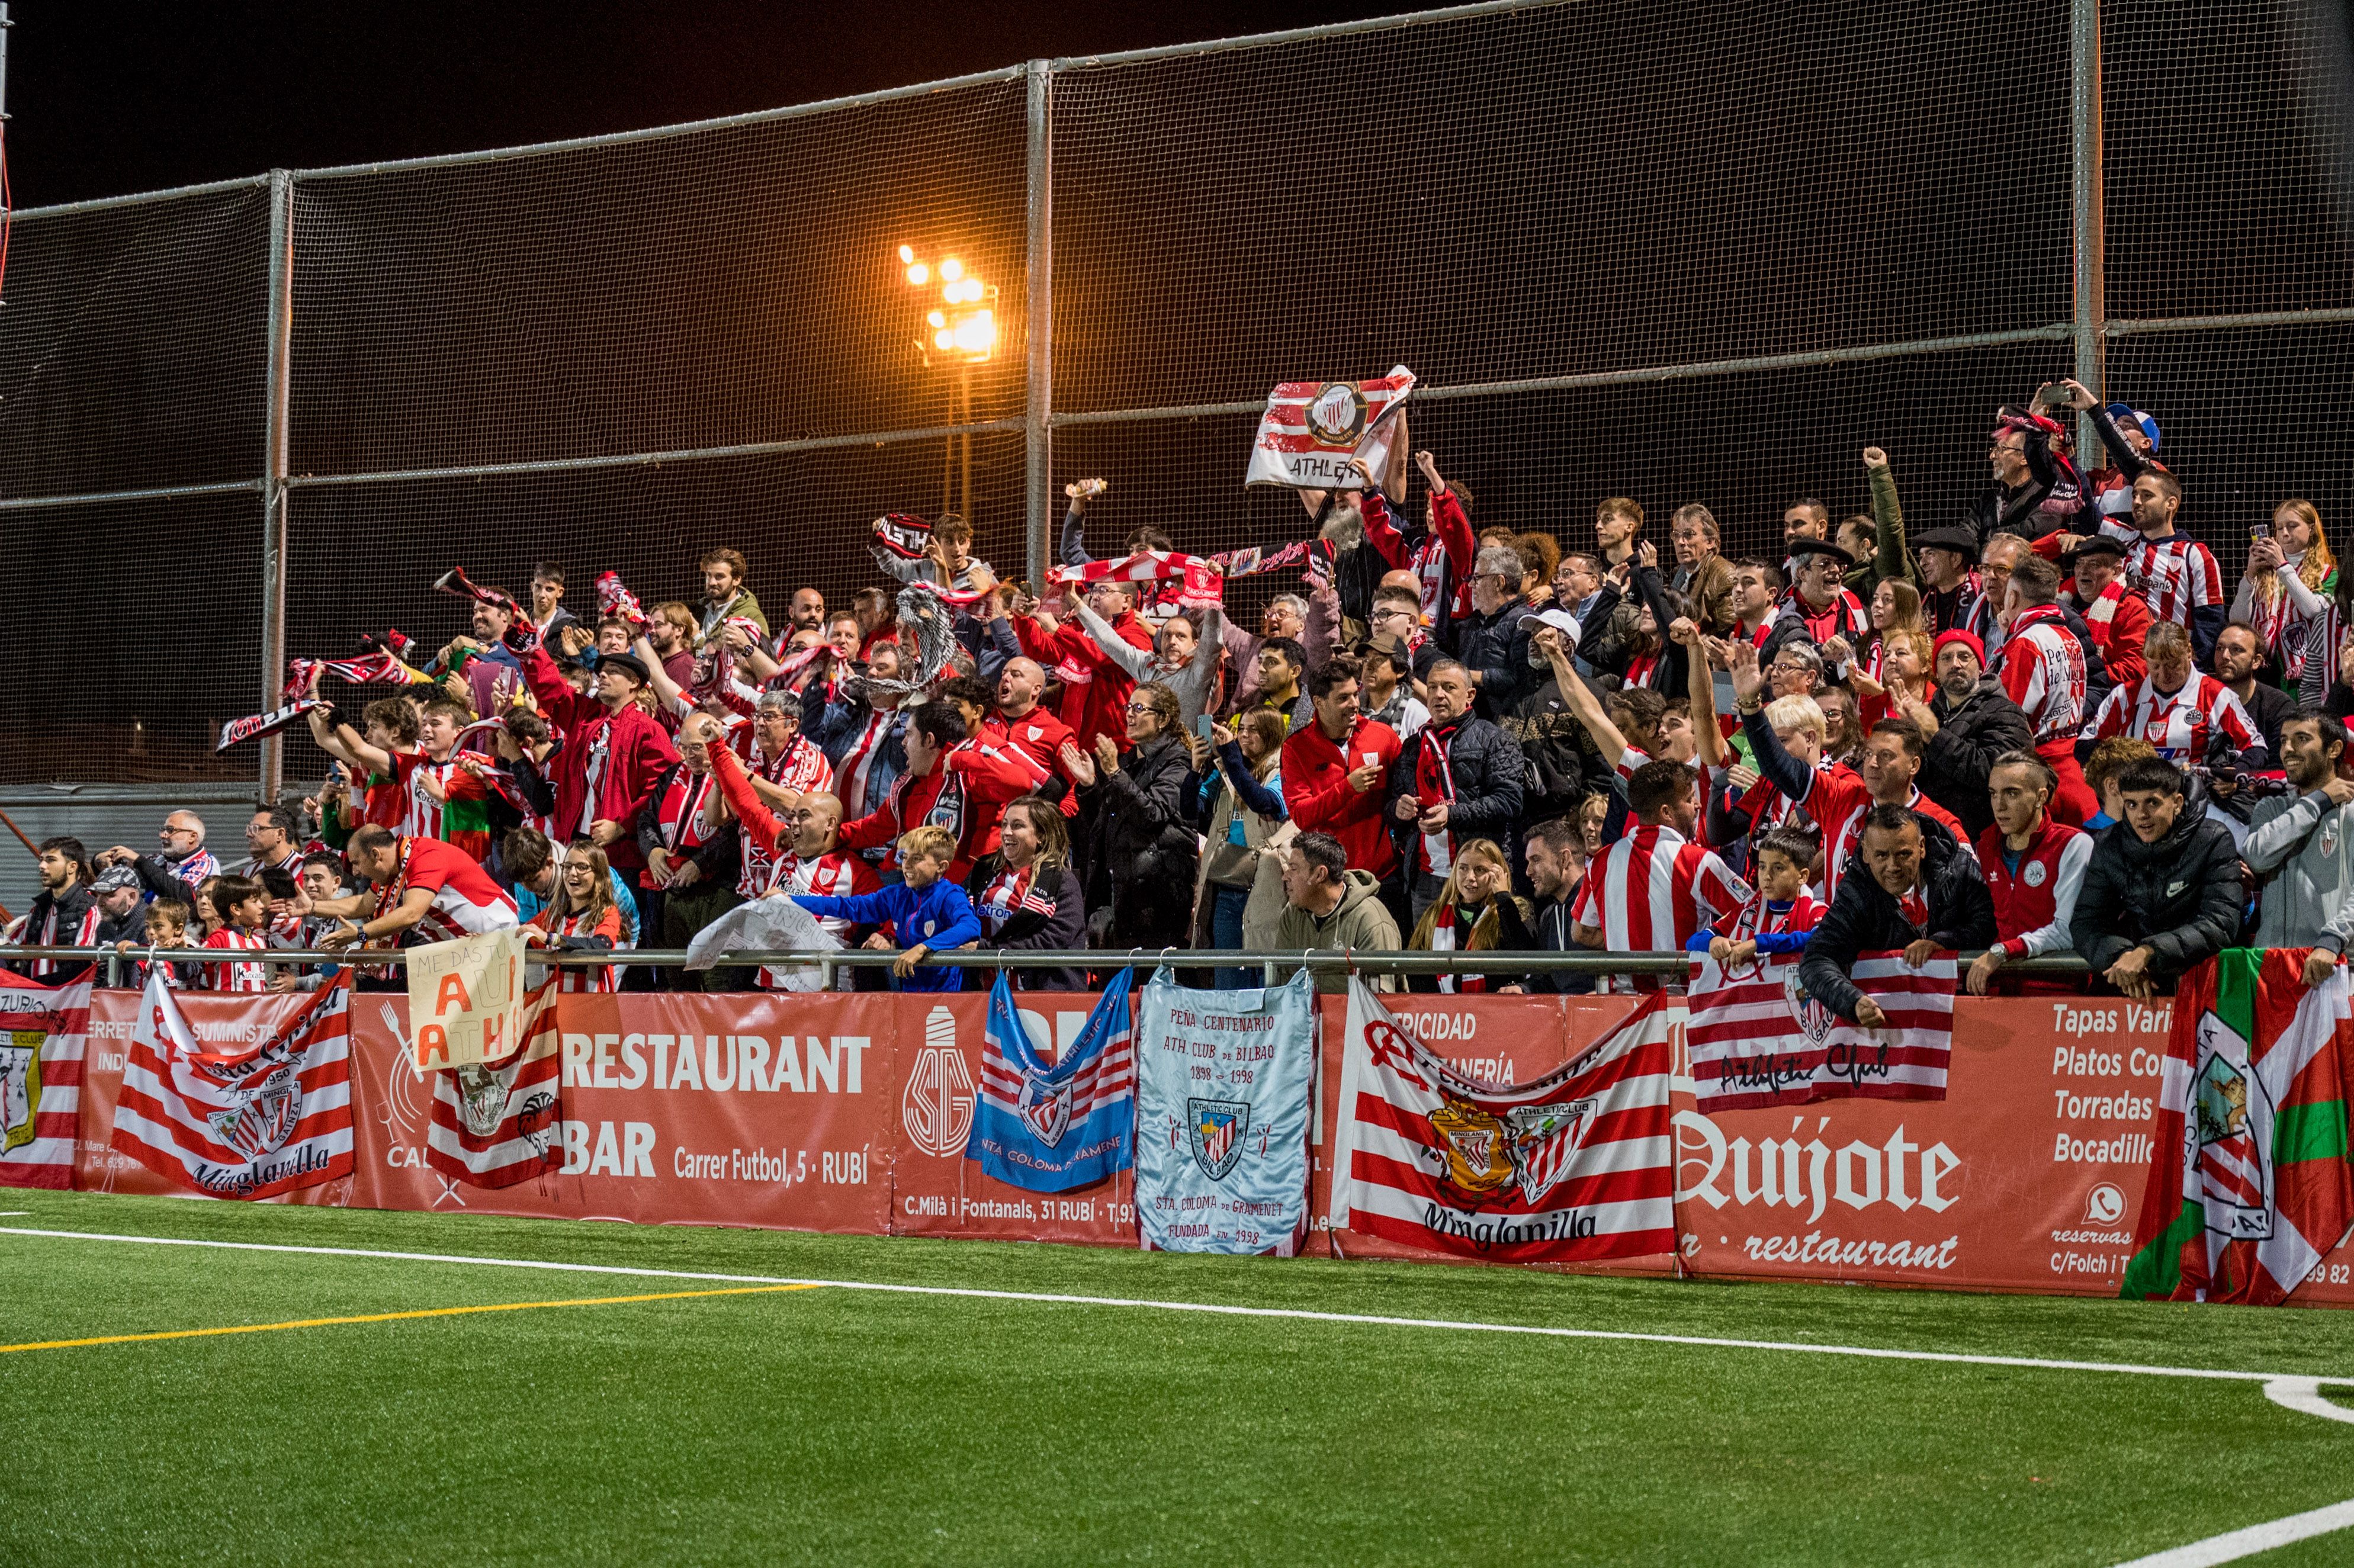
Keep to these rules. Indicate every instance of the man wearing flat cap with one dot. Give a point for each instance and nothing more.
(2117, 615)
(612, 755)
(1819, 595)
(1953, 597)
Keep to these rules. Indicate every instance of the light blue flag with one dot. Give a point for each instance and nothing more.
(1222, 1081)
(1050, 1128)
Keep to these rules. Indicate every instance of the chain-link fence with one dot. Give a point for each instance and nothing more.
(1700, 253)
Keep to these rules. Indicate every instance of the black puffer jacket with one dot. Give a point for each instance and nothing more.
(1971, 735)
(1866, 918)
(2180, 897)
(1488, 770)
(1139, 840)
(1496, 648)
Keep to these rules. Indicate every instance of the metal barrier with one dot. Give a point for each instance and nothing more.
(1673, 964)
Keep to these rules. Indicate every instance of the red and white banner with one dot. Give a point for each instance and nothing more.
(44, 1034)
(494, 1124)
(1311, 429)
(244, 1123)
(1576, 1165)
(1757, 1038)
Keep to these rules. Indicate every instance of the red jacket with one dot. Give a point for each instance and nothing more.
(1039, 737)
(985, 778)
(1316, 789)
(2119, 635)
(1099, 704)
(635, 750)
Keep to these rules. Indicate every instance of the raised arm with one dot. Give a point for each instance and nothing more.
(1890, 559)
(1135, 661)
(1607, 740)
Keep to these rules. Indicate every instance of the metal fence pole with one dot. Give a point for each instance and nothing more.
(2084, 157)
(1038, 445)
(273, 472)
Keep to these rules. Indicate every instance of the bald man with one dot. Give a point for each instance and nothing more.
(1021, 723)
(806, 841)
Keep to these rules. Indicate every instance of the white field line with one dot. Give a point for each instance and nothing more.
(1872, 1352)
(2247, 1542)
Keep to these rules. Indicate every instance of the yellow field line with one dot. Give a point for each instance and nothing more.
(395, 1316)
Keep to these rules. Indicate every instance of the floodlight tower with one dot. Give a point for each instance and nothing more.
(961, 330)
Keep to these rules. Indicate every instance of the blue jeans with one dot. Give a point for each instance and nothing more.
(1227, 932)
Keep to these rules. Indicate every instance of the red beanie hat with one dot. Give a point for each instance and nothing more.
(1969, 639)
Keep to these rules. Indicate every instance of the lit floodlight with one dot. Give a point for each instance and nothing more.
(938, 318)
(919, 274)
(943, 339)
(952, 269)
(906, 253)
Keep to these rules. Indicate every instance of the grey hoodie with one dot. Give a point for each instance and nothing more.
(2309, 843)
(1361, 921)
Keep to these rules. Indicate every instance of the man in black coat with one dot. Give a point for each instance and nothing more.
(1460, 779)
(2163, 889)
(1969, 722)
(1907, 888)
(1493, 643)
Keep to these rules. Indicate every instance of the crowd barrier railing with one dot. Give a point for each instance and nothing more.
(1669, 964)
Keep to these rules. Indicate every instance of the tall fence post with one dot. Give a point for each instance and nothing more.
(273, 472)
(2084, 158)
(1037, 465)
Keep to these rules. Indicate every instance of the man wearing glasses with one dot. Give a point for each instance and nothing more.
(178, 865)
(2018, 454)
(1495, 641)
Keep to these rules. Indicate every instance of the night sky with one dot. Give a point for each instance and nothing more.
(108, 98)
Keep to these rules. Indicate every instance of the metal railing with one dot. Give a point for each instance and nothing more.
(1673, 964)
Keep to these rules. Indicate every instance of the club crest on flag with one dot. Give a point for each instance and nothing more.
(484, 1093)
(1217, 1128)
(260, 1118)
(2235, 1167)
(1813, 1020)
(1046, 1109)
(1336, 414)
(1544, 1139)
(20, 1085)
(1474, 1162)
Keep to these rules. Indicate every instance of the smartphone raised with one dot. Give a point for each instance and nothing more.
(1201, 723)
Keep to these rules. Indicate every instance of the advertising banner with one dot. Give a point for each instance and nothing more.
(730, 1111)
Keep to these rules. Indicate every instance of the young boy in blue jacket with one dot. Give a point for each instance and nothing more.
(926, 906)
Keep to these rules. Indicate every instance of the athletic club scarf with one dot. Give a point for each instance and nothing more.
(44, 1033)
(1574, 1166)
(903, 535)
(494, 1123)
(255, 726)
(2249, 1184)
(1253, 561)
(1758, 1039)
(523, 633)
(249, 1122)
(378, 667)
(1311, 429)
(1048, 1128)
(1203, 587)
(615, 602)
(1433, 785)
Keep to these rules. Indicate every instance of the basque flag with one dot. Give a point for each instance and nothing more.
(1049, 1129)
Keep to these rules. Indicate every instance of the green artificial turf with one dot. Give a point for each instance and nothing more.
(833, 1425)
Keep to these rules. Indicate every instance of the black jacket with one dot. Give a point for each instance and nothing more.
(1866, 918)
(1138, 842)
(2001, 510)
(1062, 925)
(1489, 770)
(1549, 933)
(2181, 897)
(720, 860)
(1496, 648)
(76, 908)
(1971, 735)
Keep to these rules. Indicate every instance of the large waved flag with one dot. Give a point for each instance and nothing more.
(1758, 1039)
(1051, 1128)
(1574, 1166)
(1312, 429)
(250, 1122)
(2249, 1184)
(1222, 1112)
(496, 1123)
(44, 1031)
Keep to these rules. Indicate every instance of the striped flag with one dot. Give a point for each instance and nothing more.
(1757, 1038)
(44, 1031)
(1576, 1166)
(1201, 589)
(2250, 1183)
(494, 1124)
(250, 1122)
(1051, 1128)
(1311, 429)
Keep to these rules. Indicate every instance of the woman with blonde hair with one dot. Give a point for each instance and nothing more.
(580, 915)
(1475, 912)
(2290, 595)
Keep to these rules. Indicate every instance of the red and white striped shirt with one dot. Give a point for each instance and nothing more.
(590, 978)
(2180, 724)
(2176, 574)
(1652, 889)
(1837, 800)
(801, 767)
(2043, 672)
(236, 977)
(420, 813)
(858, 763)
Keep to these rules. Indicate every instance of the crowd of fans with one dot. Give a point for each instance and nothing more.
(2043, 729)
